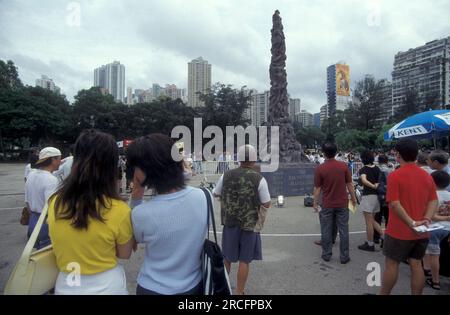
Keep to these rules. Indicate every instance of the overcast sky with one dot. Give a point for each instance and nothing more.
(156, 39)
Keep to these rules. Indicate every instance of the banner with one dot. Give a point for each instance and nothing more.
(343, 80)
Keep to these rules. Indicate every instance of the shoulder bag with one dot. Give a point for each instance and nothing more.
(36, 272)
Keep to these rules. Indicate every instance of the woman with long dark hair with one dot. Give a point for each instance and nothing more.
(89, 224)
(172, 225)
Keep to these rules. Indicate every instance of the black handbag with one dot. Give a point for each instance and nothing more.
(382, 189)
(308, 201)
(215, 276)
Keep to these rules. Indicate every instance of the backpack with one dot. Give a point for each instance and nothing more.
(381, 190)
(214, 275)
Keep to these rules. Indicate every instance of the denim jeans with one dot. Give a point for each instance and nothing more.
(43, 239)
(327, 218)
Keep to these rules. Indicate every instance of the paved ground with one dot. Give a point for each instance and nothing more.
(291, 264)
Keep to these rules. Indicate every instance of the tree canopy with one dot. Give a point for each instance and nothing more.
(33, 116)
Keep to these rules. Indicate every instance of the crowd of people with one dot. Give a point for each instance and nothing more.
(91, 224)
(408, 197)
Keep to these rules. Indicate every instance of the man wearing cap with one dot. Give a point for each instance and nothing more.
(242, 192)
(40, 185)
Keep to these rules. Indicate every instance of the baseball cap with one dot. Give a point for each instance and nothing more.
(46, 153)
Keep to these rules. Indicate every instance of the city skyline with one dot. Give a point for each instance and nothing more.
(46, 38)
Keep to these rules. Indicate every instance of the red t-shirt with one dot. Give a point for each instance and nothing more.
(414, 188)
(333, 176)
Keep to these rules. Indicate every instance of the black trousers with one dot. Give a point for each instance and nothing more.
(197, 290)
(383, 213)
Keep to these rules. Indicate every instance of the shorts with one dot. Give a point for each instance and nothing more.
(369, 204)
(401, 250)
(239, 245)
(434, 245)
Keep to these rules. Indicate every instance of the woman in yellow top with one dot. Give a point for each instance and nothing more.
(89, 225)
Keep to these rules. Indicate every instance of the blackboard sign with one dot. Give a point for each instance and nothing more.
(291, 180)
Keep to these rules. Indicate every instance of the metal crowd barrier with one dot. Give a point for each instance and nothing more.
(356, 166)
(213, 167)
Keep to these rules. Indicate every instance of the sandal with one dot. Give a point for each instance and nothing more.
(433, 285)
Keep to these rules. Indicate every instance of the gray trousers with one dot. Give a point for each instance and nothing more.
(328, 218)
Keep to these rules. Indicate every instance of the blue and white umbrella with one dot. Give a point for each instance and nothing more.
(433, 124)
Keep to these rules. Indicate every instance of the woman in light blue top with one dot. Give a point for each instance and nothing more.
(172, 225)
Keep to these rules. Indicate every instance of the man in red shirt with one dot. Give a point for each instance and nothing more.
(333, 178)
(412, 198)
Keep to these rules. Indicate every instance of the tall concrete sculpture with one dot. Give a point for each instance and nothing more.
(278, 115)
(295, 174)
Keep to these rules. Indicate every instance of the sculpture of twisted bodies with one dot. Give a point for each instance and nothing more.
(290, 149)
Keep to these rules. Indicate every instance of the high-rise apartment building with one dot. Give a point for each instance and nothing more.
(305, 118)
(199, 80)
(129, 96)
(112, 78)
(425, 70)
(338, 87)
(387, 110)
(46, 83)
(316, 120)
(172, 91)
(294, 107)
(323, 113)
(259, 108)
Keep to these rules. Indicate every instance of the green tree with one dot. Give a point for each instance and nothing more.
(357, 140)
(362, 114)
(309, 137)
(334, 124)
(432, 101)
(224, 106)
(93, 109)
(35, 114)
(9, 76)
(9, 82)
(410, 105)
(162, 115)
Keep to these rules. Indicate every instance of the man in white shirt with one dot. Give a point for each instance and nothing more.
(243, 191)
(65, 168)
(40, 185)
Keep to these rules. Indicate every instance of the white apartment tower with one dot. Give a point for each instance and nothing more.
(425, 69)
(46, 83)
(199, 80)
(112, 78)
